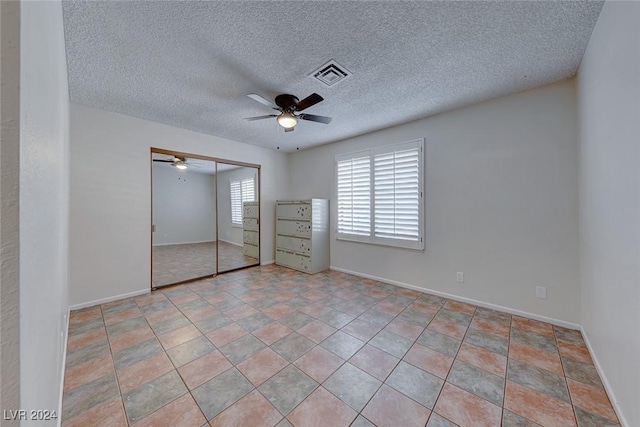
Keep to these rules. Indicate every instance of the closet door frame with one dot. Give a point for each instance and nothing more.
(155, 150)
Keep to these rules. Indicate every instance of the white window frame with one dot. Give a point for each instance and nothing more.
(342, 210)
(241, 182)
(347, 212)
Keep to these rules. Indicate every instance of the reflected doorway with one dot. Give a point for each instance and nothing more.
(198, 217)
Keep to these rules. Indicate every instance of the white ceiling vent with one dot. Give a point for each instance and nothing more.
(331, 73)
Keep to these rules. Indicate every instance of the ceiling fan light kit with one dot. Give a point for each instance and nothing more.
(178, 162)
(287, 120)
(289, 105)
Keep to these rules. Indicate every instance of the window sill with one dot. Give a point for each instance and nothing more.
(399, 245)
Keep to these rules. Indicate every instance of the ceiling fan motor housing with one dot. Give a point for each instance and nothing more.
(287, 102)
(290, 108)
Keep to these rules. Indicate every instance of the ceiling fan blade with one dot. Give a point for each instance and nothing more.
(250, 119)
(314, 118)
(289, 129)
(163, 161)
(262, 100)
(310, 100)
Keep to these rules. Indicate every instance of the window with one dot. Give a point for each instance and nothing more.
(241, 191)
(354, 198)
(379, 195)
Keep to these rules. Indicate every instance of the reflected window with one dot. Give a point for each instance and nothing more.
(242, 190)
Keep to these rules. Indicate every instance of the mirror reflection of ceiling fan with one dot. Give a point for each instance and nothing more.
(290, 107)
(178, 162)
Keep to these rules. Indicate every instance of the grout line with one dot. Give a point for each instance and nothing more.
(564, 375)
(454, 357)
(189, 391)
(506, 372)
(400, 359)
(63, 368)
(272, 278)
(367, 343)
(172, 363)
(113, 364)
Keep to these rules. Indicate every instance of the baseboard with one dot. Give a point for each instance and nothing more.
(605, 382)
(62, 368)
(268, 262)
(202, 241)
(484, 304)
(183, 243)
(108, 299)
(231, 243)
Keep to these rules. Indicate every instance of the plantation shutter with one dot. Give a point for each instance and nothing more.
(354, 196)
(248, 191)
(241, 191)
(398, 195)
(379, 195)
(236, 202)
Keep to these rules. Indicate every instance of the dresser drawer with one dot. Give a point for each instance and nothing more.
(294, 210)
(250, 210)
(251, 250)
(250, 224)
(251, 237)
(294, 228)
(293, 260)
(301, 246)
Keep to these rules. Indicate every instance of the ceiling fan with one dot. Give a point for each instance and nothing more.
(178, 162)
(290, 108)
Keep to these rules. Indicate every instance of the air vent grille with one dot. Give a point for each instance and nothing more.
(331, 73)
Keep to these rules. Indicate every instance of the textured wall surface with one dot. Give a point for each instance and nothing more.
(111, 196)
(44, 206)
(501, 202)
(184, 206)
(609, 113)
(9, 210)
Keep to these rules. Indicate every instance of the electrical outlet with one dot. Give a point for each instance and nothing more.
(460, 277)
(541, 292)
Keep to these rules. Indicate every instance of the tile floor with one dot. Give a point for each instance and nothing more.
(269, 346)
(176, 263)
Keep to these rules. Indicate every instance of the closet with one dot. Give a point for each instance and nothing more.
(204, 209)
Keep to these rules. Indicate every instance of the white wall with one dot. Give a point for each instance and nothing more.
(9, 208)
(609, 113)
(501, 186)
(111, 196)
(229, 232)
(44, 205)
(184, 206)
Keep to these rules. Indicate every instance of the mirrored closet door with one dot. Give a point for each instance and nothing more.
(205, 216)
(238, 221)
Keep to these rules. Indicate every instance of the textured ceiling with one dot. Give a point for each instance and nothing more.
(191, 64)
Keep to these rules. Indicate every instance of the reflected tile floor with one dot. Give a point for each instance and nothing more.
(176, 263)
(270, 346)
